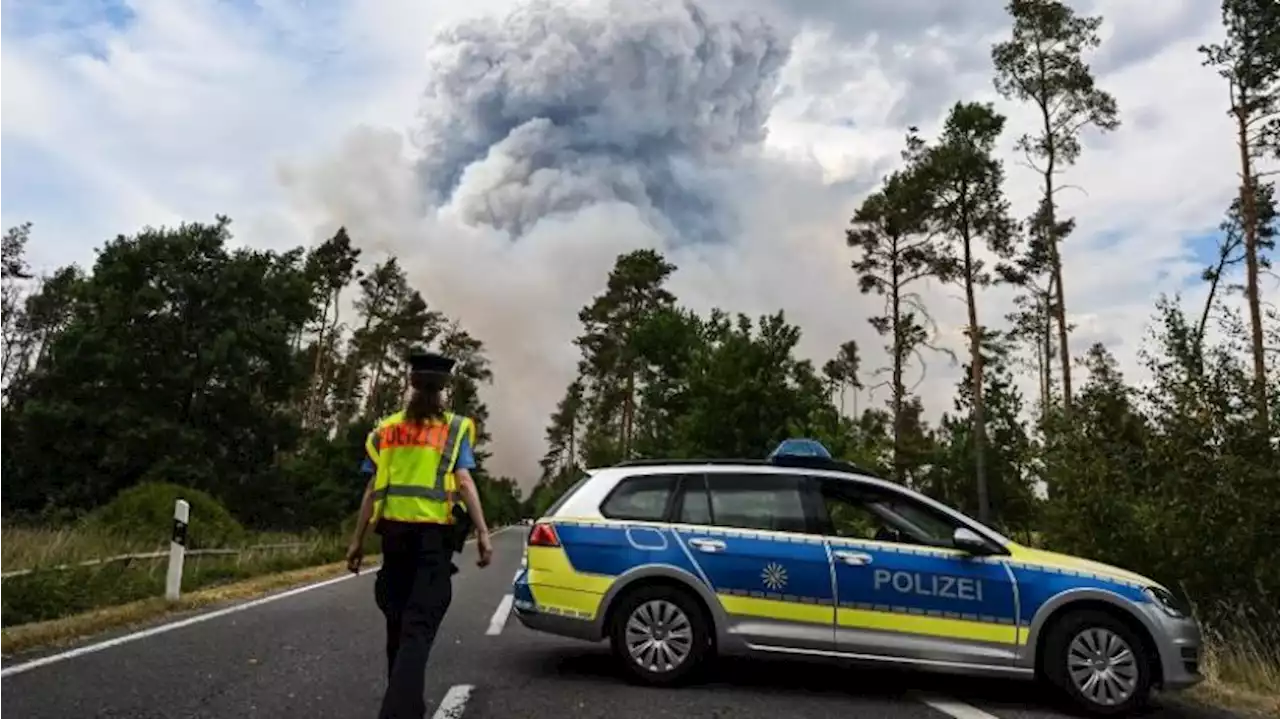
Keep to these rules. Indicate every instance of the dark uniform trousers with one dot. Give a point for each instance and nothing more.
(413, 589)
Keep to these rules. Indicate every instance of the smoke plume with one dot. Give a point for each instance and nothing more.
(559, 108)
(557, 137)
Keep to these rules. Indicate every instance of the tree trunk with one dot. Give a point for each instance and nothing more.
(628, 413)
(975, 378)
(4, 363)
(898, 390)
(1055, 257)
(572, 449)
(354, 364)
(313, 389)
(323, 383)
(41, 348)
(379, 361)
(1059, 305)
(1046, 336)
(1249, 220)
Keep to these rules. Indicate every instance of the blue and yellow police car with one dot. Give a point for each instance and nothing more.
(676, 561)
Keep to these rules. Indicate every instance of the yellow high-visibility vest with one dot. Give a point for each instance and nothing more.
(415, 480)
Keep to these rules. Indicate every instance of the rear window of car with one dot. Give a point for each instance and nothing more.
(644, 498)
(758, 501)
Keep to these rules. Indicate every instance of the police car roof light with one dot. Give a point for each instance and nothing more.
(543, 535)
(800, 447)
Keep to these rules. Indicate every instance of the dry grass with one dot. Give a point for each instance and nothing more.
(33, 547)
(48, 593)
(61, 631)
(29, 547)
(1242, 671)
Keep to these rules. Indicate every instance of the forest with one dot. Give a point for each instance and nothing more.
(179, 358)
(1176, 476)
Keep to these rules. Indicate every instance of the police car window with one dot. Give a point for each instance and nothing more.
(695, 504)
(860, 512)
(850, 519)
(643, 498)
(933, 527)
(757, 501)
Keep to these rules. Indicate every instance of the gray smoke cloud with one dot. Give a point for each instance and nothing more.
(561, 135)
(557, 108)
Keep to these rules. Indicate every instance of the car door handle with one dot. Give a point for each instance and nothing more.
(707, 545)
(856, 559)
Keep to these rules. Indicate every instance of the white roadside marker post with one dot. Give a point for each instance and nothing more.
(177, 550)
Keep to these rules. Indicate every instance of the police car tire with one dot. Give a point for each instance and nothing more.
(701, 644)
(1058, 642)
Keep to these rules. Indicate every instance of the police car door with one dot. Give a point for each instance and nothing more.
(903, 592)
(753, 541)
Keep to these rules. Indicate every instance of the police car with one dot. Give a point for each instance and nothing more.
(799, 554)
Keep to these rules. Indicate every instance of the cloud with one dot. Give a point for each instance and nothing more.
(555, 109)
(551, 141)
(1139, 195)
(508, 157)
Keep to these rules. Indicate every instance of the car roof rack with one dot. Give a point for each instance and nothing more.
(797, 461)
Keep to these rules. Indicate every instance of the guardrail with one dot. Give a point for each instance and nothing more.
(176, 553)
(155, 555)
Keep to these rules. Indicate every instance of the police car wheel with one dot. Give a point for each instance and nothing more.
(659, 634)
(1099, 662)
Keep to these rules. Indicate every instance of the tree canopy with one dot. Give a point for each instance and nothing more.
(178, 359)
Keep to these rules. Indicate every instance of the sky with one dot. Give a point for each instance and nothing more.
(508, 151)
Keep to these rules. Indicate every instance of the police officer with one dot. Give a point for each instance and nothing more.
(420, 459)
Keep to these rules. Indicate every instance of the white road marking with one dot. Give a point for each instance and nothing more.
(162, 628)
(957, 709)
(499, 619)
(454, 702)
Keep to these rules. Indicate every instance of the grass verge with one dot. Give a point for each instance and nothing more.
(1242, 672)
(60, 631)
(56, 586)
(28, 548)
(32, 547)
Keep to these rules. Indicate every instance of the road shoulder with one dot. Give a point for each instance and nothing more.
(25, 640)
(1218, 697)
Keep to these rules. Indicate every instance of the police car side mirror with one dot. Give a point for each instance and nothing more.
(967, 540)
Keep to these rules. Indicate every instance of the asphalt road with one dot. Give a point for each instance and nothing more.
(318, 653)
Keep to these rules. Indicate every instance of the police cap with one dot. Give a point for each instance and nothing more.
(420, 360)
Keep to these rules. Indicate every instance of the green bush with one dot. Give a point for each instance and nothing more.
(145, 513)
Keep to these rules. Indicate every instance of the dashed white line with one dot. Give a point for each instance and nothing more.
(499, 619)
(957, 709)
(454, 702)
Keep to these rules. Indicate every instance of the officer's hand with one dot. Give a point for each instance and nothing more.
(484, 547)
(355, 554)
